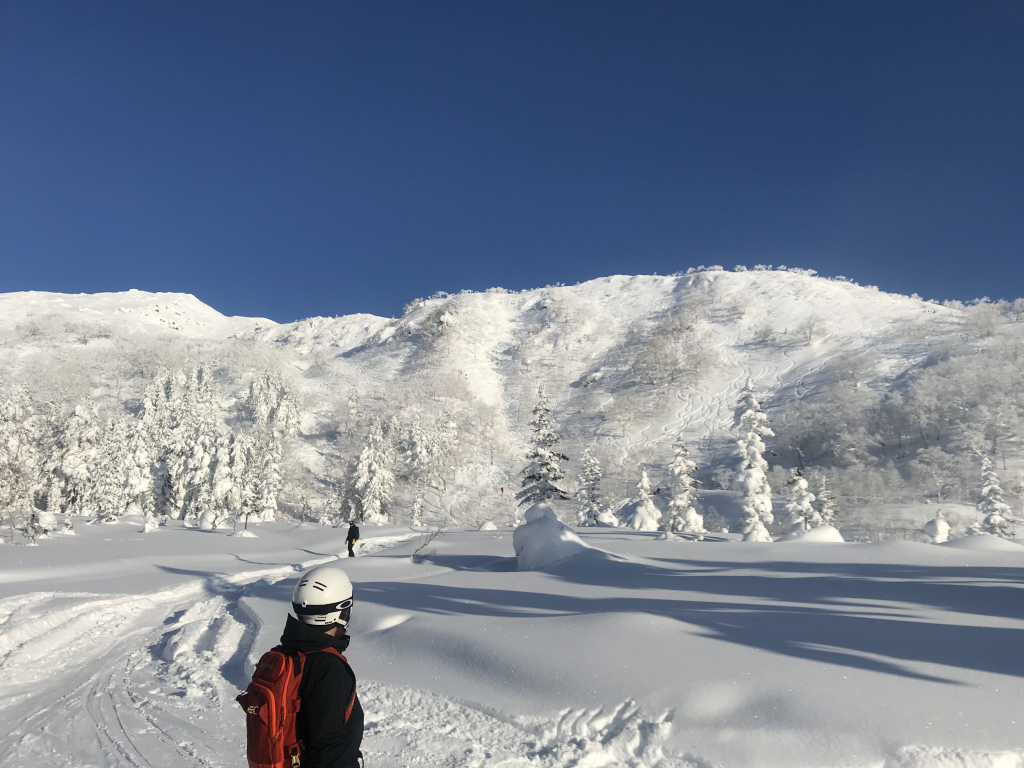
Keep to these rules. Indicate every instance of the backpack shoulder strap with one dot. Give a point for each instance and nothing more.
(352, 699)
(298, 659)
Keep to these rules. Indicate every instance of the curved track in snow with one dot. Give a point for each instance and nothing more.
(149, 681)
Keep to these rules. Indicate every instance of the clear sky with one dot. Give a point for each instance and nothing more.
(289, 159)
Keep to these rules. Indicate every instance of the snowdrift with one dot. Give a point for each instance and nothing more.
(823, 534)
(984, 542)
(633, 652)
(543, 540)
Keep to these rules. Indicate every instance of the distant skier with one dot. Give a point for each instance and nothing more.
(308, 680)
(352, 538)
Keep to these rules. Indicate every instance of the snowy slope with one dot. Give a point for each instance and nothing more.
(627, 361)
(120, 648)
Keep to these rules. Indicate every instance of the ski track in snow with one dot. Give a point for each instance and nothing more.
(149, 681)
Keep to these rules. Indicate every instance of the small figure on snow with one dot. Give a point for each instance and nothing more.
(352, 538)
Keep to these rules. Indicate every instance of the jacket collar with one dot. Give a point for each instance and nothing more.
(306, 638)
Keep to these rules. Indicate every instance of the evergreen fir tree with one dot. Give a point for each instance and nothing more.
(800, 505)
(226, 481)
(269, 404)
(996, 512)
(542, 474)
(589, 493)
(757, 506)
(826, 503)
(266, 470)
(158, 426)
(188, 489)
(417, 505)
(375, 478)
(138, 489)
(682, 512)
(73, 464)
(21, 464)
(108, 496)
(646, 516)
(198, 474)
(432, 452)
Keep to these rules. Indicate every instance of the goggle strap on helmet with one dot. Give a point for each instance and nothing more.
(320, 610)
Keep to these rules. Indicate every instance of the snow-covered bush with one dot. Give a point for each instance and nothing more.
(937, 529)
(544, 540)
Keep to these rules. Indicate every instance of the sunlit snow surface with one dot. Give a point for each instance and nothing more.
(125, 649)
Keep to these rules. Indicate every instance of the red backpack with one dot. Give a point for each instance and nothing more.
(271, 703)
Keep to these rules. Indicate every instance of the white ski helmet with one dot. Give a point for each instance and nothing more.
(323, 597)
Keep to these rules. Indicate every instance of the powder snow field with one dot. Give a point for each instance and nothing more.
(124, 649)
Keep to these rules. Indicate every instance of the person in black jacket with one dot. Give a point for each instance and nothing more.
(328, 686)
(353, 537)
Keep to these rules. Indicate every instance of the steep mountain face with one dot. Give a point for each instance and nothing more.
(628, 363)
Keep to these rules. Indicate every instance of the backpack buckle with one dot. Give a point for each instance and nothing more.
(296, 762)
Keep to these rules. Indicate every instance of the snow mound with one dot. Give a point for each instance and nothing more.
(543, 540)
(945, 757)
(244, 534)
(821, 534)
(937, 529)
(983, 542)
(487, 525)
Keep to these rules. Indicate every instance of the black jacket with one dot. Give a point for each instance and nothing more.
(325, 691)
(353, 533)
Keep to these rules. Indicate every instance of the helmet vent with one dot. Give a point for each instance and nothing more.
(304, 582)
(319, 586)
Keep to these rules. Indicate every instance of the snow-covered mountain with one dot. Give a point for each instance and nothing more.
(628, 362)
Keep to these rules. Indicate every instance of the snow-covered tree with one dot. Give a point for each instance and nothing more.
(375, 476)
(646, 516)
(589, 493)
(542, 475)
(73, 464)
(108, 492)
(21, 462)
(682, 513)
(757, 506)
(432, 451)
(995, 511)
(826, 503)
(226, 482)
(138, 479)
(417, 505)
(261, 474)
(800, 505)
(269, 402)
(187, 487)
(198, 474)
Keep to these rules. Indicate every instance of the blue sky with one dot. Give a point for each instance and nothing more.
(322, 158)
